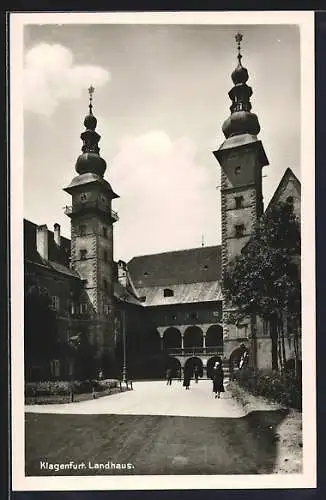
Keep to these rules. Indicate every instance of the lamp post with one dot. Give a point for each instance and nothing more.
(124, 366)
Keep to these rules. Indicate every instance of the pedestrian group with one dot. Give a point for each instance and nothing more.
(217, 376)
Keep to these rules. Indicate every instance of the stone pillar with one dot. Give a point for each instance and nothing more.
(182, 338)
(204, 342)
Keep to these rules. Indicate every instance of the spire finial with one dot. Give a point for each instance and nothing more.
(91, 91)
(238, 38)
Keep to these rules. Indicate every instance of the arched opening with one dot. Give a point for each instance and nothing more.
(214, 338)
(193, 339)
(172, 339)
(210, 365)
(175, 365)
(235, 359)
(191, 364)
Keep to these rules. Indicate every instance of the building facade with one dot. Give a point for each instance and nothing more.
(156, 310)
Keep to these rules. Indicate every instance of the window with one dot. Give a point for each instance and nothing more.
(289, 200)
(174, 318)
(55, 303)
(238, 201)
(83, 254)
(239, 230)
(55, 368)
(105, 284)
(106, 308)
(105, 255)
(82, 230)
(105, 232)
(71, 307)
(194, 315)
(83, 308)
(237, 170)
(167, 292)
(83, 197)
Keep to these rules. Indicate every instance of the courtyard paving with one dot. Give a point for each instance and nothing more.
(154, 398)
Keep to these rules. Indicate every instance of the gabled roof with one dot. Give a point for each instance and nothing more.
(287, 177)
(195, 265)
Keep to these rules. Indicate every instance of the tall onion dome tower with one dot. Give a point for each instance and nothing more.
(92, 220)
(241, 157)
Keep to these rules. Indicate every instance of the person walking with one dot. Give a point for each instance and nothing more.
(169, 376)
(196, 373)
(186, 378)
(218, 378)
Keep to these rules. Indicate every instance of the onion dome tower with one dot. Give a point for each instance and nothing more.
(241, 157)
(241, 121)
(92, 221)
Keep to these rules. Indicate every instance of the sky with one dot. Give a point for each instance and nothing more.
(161, 96)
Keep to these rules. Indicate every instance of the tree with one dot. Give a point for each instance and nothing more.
(40, 331)
(264, 280)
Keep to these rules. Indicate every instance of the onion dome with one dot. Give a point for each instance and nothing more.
(90, 161)
(241, 121)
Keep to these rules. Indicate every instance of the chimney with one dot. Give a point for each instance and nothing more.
(42, 241)
(57, 237)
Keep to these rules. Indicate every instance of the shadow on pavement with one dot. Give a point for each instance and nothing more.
(153, 444)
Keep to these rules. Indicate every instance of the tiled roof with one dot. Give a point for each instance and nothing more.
(186, 293)
(58, 256)
(196, 265)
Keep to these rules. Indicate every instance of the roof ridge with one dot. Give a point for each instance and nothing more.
(174, 251)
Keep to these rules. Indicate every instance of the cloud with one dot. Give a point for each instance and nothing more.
(173, 198)
(50, 77)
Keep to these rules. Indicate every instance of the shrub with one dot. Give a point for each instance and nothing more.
(63, 387)
(283, 388)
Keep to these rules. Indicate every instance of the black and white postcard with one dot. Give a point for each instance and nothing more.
(162, 250)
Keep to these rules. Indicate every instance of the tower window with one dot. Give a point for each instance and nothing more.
(55, 303)
(238, 201)
(237, 170)
(105, 232)
(82, 230)
(83, 308)
(239, 230)
(105, 284)
(105, 256)
(289, 200)
(83, 254)
(167, 292)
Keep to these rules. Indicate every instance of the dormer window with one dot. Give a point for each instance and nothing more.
(238, 201)
(167, 292)
(83, 254)
(239, 230)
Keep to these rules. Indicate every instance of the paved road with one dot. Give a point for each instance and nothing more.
(159, 429)
(154, 398)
